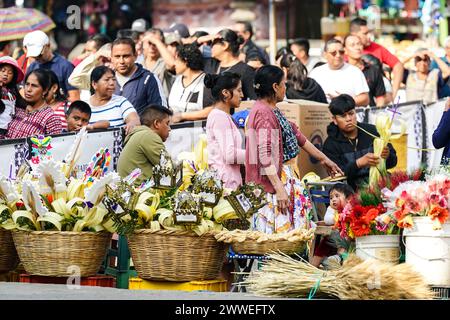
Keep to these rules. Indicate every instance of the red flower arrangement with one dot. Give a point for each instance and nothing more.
(356, 220)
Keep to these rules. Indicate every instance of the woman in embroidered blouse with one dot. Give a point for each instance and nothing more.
(225, 149)
(272, 145)
(38, 117)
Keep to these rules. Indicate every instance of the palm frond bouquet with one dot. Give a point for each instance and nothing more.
(168, 225)
(58, 220)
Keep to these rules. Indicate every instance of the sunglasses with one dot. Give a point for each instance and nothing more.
(425, 59)
(334, 53)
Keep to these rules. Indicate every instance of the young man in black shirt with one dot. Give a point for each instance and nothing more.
(351, 148)
(354, 52)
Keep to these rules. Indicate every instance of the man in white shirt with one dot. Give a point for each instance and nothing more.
(337, 77)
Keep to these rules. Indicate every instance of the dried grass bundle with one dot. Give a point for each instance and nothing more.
(283, 276)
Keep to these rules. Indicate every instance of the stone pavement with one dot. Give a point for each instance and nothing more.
(33, 291)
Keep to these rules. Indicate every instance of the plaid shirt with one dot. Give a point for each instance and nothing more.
(290, 143)
(26, 124)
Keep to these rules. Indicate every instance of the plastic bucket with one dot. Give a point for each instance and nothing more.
(428, 250)
(385, 248)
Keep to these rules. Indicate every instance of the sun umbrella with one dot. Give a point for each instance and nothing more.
(16, 22)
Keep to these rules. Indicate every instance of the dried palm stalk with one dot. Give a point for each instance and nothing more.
(283, 276)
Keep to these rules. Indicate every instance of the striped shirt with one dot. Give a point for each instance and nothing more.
(59, 110)
(25, 124)
(115, 111)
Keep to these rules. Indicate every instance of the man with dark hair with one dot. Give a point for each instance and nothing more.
(143, 146)
(92, 45)
(358, 27)
(78, 115)
(141, 87)
(338, 77)
(374, 77)
(245, 30)
(300, 48)
(351, 148)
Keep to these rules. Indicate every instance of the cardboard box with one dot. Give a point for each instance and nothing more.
(312, 118)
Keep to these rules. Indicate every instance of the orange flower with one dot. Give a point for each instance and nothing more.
(400, 214)
(438, 213)
(360, 228)
(406, 222)
(371, 214)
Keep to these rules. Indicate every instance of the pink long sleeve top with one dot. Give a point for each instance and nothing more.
(264, 145)
(225, 148)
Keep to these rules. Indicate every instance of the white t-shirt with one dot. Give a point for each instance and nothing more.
(348, 79)
(115, 111)
(187, 99)
(330, 217)
(10, 102)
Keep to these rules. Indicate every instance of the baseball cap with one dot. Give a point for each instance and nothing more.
(35, 42)
(12, 62)
(139, 25)
(180, 29)
(172, 37)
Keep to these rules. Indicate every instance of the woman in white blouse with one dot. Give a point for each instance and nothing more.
(188, 98)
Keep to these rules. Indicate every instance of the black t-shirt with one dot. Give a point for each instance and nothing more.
(247, 74)
(375, 82)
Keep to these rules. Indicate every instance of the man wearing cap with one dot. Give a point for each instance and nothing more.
(179, 29)
(37, 45)
(139, 26)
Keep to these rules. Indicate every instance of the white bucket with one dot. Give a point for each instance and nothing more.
(385, 248)
(428, 250)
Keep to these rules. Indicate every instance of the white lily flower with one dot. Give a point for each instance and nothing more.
(95, 193)
(32, 200)
(7, 190)
(51, 177)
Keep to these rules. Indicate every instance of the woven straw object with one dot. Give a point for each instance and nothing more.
(53, 253)
(172, 255)
(262, 248)
(8, 253)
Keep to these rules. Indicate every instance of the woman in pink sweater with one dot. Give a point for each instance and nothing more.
(225, 145)
(272, 146)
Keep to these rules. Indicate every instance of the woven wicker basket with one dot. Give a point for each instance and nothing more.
(167, 255)
(262, 248)
(51, 253)
(8, 253)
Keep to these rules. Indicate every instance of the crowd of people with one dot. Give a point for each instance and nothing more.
(146, 79)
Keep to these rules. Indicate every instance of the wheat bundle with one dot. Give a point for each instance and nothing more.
(283, 276)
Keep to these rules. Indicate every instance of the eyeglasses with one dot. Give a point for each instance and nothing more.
(334, 53)
(425, 59)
